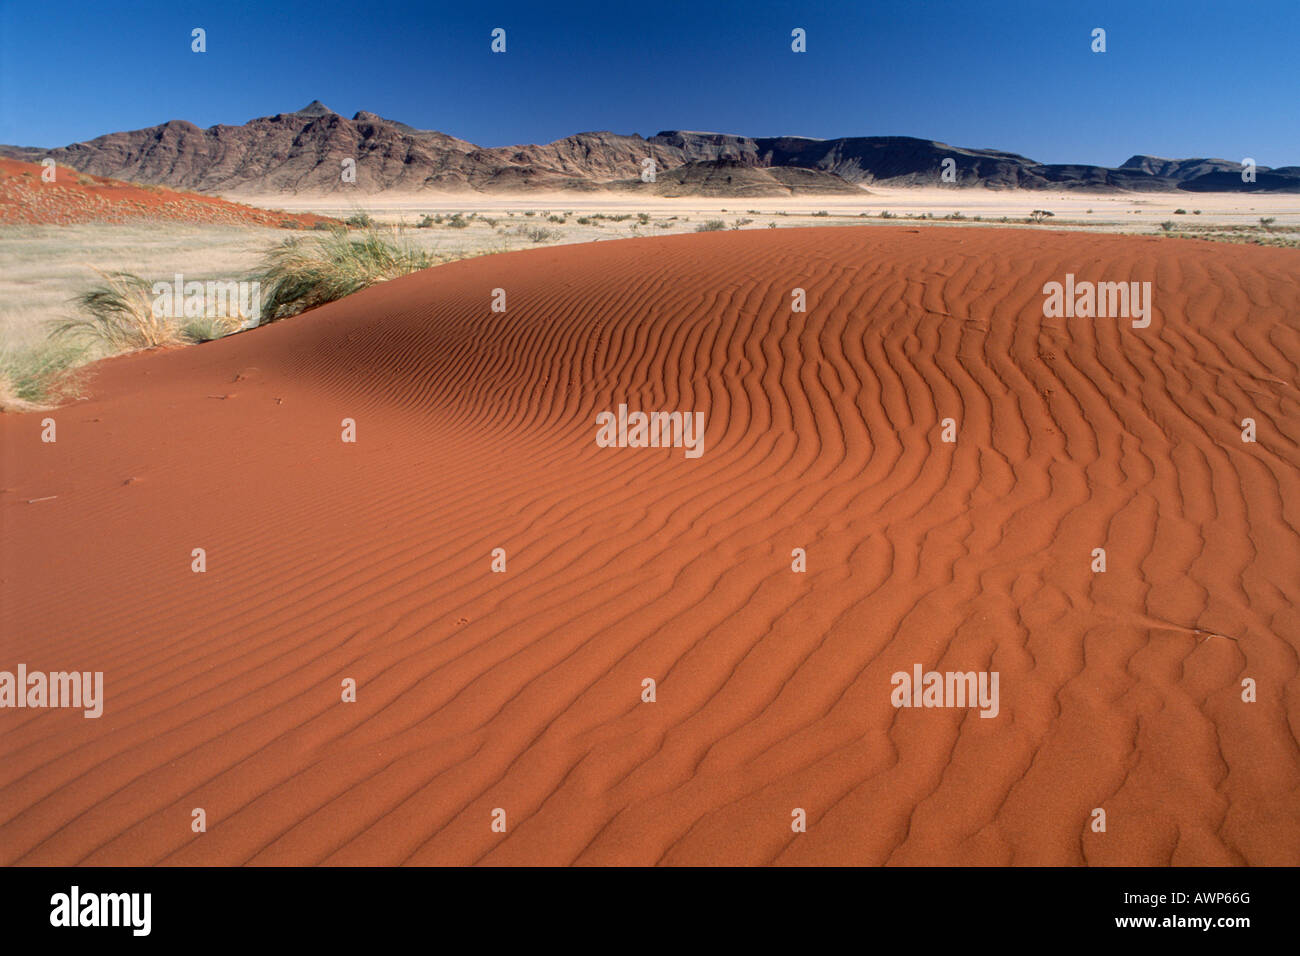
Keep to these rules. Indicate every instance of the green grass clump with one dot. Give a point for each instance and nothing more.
(711, 225)
(304, 272)
(208, 328)
(40, 376)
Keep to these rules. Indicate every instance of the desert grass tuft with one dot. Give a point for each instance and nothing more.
(208, 328)
(119, 316)
(40, 376)
(307, 271)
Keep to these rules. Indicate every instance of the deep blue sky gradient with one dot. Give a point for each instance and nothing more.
(1180, 78)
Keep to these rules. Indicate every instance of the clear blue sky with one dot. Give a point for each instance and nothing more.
(1180, 77)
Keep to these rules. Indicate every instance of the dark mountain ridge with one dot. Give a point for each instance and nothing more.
(307, 151)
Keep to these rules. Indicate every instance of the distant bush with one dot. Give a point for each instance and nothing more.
(1180, 212)
(821, 212)
(886, 214)
(1267, 221)
(711, 225)
(425, 223)
(538, 233)
(360, 220)
(1167, 225)
(457, 221)
(1038, 215)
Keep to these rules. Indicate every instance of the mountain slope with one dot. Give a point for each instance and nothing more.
(309, 151)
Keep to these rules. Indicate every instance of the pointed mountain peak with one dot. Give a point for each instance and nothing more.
(314, 108)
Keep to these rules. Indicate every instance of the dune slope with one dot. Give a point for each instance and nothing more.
(521, 690)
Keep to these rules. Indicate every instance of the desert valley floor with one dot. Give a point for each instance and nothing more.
(521, 690)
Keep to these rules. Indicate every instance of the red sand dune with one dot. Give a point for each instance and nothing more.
(521, 690)
(74, 197)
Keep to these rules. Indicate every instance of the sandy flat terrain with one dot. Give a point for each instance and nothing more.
(1129, 211)
(521, 690)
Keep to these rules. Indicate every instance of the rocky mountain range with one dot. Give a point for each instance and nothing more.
(306, 152)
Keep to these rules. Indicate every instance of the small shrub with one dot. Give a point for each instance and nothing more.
(821, 212)
(711, 225)
(425, 223)
(538, 233)
(1167, 225)
(360, 220)
(1180, 212)
(1038, 215)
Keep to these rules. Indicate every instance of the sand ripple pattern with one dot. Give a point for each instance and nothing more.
(521, 690)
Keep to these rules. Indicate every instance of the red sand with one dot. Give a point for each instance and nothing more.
(73, 197)
(522, 690)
